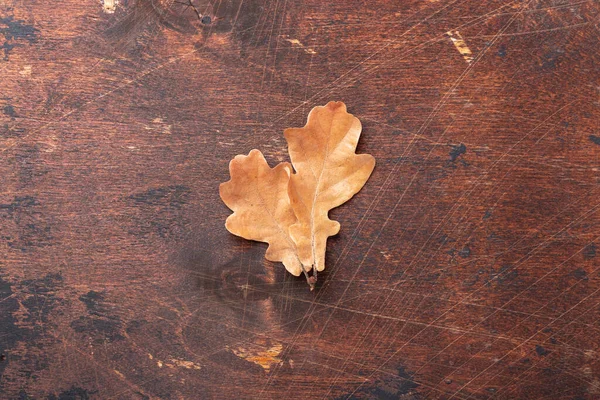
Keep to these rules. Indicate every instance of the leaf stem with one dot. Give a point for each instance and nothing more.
(311, 280)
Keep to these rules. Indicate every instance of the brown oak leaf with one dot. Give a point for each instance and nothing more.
(257, 195)
(289, 211)
(328, 173)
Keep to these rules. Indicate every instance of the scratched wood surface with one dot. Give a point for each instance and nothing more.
(466, 268)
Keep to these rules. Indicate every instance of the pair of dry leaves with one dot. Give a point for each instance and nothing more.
(288, 210)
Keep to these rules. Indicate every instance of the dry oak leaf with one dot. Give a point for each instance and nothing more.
(258, 197)
(289, 211)
(328, 173)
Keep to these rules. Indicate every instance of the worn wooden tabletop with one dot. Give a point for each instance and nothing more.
(466, 268)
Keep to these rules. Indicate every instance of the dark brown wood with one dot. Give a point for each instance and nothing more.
(466, 268)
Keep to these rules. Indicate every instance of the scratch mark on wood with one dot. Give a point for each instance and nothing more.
(296, 43)
(259, 356)
(175, 362)
(460, 45)
(119, 374)
(109, 6)
(26, 71)
(159, 124)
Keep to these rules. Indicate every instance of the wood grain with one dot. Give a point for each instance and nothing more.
(467, 267)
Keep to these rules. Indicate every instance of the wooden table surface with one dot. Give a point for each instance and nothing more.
(466, 268)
